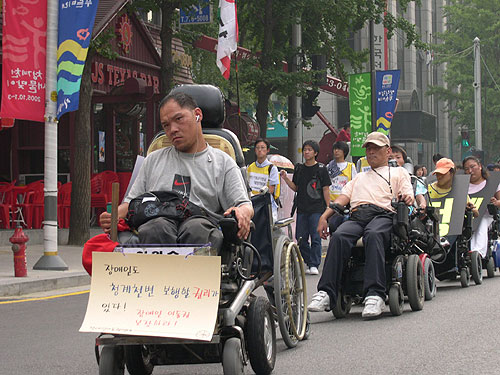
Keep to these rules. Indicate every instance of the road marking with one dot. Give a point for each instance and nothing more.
(45, 298)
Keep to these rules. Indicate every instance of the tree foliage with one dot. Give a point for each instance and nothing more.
(265, 29)
(467, 20)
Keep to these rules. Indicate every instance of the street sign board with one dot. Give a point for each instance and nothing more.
(197, 14)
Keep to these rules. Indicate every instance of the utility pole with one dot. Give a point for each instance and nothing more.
(50, 259)
(477, 94)
(295, 102)
(372, 74)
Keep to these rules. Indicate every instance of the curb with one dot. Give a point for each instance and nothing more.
(33, 286)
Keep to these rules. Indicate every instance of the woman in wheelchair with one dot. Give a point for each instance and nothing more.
(192, 169)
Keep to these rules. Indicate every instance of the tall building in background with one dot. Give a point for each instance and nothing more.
(418, 73)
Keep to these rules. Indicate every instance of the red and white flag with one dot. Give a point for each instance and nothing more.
(228, 35)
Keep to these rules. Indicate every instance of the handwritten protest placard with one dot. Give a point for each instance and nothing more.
(153, 295)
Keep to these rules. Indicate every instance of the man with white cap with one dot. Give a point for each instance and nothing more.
(370, 194)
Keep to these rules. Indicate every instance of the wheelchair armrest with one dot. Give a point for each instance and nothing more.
(283, 222)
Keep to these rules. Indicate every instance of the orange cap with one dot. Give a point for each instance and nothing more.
(443, 166)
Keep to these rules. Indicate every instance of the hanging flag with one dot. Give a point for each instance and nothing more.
(386, 91)
(23, 59)
(76, 20)
(228, 35)
(360, 106)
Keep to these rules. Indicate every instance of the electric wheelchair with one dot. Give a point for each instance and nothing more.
(245, 326)
(460, 261)
(404, 270)
(491, 262)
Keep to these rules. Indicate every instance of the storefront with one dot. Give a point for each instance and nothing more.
(124, 105)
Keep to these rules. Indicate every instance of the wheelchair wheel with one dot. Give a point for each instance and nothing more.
(343, 305)
(290, 291)
(138, 360)
(464, 277)
(232, 357)
(415, 282)
(261, 336)
(111, 361)
(429, 280)
(476, 268)
(490, 267)
(396, 300)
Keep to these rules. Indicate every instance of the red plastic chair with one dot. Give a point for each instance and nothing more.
(6, 205)
(100, 190)
(33, 194)
(124, 180)
(64, 205)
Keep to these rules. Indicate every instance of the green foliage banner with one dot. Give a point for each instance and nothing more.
(360, 105)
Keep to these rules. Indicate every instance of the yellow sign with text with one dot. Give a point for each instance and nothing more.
(154, 295)
(445, 209)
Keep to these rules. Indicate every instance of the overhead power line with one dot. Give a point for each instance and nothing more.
(488, 69)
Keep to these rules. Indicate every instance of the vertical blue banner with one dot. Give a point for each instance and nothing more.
(76, 20)
(386, 91)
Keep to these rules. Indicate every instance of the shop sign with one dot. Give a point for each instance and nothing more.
(111, 75)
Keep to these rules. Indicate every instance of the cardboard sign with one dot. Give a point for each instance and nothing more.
(451, 206)
(153, 295)
(483, 196)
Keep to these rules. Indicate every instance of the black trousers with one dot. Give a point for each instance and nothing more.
(376, 238)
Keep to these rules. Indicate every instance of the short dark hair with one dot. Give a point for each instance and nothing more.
(259, 140)
(346, 125)
(401, 150)
(184, 100)
(313, 144)
(437, 157)
(342, 146)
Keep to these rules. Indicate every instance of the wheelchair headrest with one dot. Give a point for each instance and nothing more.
(210, 100)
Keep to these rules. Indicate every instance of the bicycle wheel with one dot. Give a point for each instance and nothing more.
(290, 291)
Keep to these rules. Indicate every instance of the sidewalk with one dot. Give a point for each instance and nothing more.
(38, 280)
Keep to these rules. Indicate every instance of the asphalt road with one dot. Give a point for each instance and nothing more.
(456, 333)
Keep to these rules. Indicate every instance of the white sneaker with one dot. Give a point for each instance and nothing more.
(307, 270)
(313, 271)
(320, 302)
(374, 305)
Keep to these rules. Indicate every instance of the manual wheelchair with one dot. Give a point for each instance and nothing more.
(245, 327)
(404, 264)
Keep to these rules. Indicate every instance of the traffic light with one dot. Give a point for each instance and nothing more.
(464, 132)
(308, 107)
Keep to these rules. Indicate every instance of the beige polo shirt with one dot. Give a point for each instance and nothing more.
(372, 188)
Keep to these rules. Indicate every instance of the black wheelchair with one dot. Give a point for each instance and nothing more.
(404, 269)
(460, 261)
(490, 262)
(245, 326)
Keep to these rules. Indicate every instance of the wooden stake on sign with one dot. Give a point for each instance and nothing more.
(115, 192)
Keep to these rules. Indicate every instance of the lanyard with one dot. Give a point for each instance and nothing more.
(385, 179)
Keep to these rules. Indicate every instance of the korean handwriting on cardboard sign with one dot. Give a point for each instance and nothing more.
(120, 269)
(107, 306)
(205, 293)
(176, 291)
(160, 318)
(138, 290)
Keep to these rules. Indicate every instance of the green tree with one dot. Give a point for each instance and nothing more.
(265, 27)
(467, 20)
